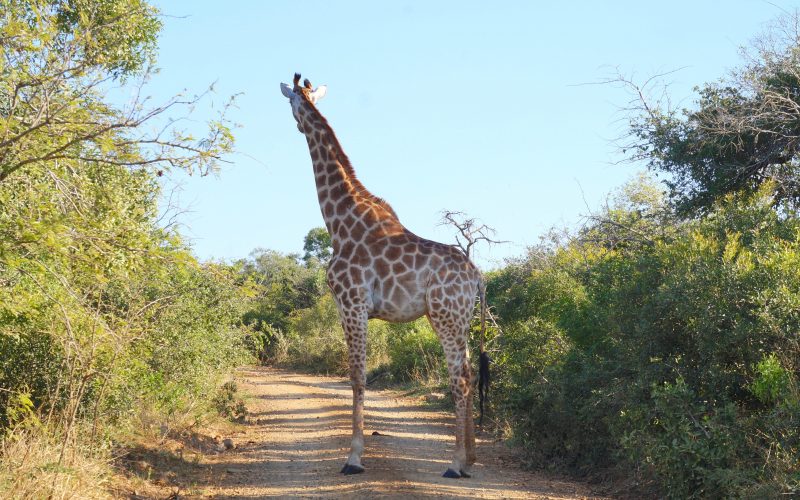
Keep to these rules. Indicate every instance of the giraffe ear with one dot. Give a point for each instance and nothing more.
(318, 93)
(286, 91)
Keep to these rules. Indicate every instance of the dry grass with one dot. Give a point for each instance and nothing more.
(36, 464)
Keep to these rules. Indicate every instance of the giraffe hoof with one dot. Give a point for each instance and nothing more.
(451, 474)
(352, 469)
(465, 474)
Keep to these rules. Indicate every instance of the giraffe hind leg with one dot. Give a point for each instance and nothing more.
(469, 429)
(351, 469)
(451, 327)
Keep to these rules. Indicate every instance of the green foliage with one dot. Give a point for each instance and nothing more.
(316, 340)
(118, 35)
(105, 315)
(228, 404)
(195, 339)
(771, 381)
(283, 285)
(60, 57)
(696, 453)
(317, 245)
(101, 308)
(20, 410)
(415, 353)
(741, 132)
(672, 350)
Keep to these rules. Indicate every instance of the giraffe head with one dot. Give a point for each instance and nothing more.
(300, 95)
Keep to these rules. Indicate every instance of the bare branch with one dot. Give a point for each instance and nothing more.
(469, 228)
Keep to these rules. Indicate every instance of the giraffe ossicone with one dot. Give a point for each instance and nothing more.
(380, 269)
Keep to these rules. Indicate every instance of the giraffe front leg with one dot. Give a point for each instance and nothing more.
(355, 328)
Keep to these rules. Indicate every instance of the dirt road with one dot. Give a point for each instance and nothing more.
(298, 436)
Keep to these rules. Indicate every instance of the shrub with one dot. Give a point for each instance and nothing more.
(315, 340)
(227, 403)
(415, 353)
(695, 450)
(771, 381)
(671, 351)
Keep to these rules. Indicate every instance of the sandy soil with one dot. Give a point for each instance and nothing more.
(297, 437)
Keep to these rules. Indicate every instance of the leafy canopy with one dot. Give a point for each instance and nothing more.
(60, 60)
(744, 130)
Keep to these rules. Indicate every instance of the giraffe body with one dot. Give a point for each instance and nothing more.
(380, 269)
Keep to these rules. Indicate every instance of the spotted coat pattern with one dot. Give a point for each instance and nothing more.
(380, 269)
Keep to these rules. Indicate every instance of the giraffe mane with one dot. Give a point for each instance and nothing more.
(344, 161)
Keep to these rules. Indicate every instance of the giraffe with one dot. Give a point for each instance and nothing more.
(380, 269)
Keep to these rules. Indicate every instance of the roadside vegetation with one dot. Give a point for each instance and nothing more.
(659, 341)
(110, 330)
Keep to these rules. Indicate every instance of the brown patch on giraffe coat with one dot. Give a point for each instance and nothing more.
(393, 252)
(361, 256)
(338, 191)
(376, 241)
(358, 230)
(347, 250)
(342, 207)
(370, 216)
(356, 274)
(381, 267)
(337, 266)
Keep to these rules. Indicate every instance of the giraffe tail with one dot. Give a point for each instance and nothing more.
(483, 359)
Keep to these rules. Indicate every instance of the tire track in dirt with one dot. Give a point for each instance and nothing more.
(298, 437)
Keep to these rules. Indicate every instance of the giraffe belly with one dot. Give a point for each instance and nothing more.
(398, 307)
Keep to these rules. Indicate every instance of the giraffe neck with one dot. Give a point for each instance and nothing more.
(341, 195)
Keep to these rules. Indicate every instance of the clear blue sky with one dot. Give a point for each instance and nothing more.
(459, 105)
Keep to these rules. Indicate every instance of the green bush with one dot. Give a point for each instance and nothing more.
(695, 451)
(771, 381)
(227, 403)
(672, 350)
(315, 340)
(103, 313)
(415, 353)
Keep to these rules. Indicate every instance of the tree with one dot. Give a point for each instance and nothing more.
(317, 245)
(103, 311)
(743, 132)
(60, 60)
(285, 286)
(470, 229)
